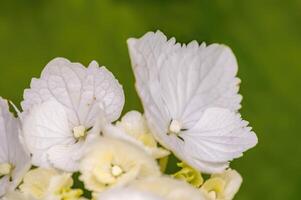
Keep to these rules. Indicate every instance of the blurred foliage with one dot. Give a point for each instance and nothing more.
(264, 34)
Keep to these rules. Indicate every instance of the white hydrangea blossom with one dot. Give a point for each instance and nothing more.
(14, 160)
(190, 98)
(49, 184)
(62, 106)
(222, 186)
(113, 163)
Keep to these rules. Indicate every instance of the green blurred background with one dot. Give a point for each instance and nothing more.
(265, 36)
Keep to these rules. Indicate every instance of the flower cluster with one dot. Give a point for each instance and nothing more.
(67, 131)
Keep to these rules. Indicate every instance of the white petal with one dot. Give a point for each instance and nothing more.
(223, 133)
(79, 89)
(218, 137)
(40, 158)
(66, 157)
(45, 126)
(11, 150)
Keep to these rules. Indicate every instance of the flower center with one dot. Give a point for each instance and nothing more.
(79, 132)
(5, 169)
(175, 126)
(116, 170)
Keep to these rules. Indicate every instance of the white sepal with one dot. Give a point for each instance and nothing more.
(14, 160)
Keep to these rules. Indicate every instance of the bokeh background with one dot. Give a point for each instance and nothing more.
(264, 34)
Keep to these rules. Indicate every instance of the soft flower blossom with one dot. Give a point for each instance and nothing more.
(133, 128)
(37, 187)
(222, 186)
(49, 184)
(110, 162)
(190, 99)
(14, 160)
(61, 111)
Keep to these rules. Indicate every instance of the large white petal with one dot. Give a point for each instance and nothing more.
(66, 157)
(218, 137)
(11, 149)
(79, 89)
(45, 126)
(180, 82)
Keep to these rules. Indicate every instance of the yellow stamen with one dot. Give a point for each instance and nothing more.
(79, 132)
(116, 171)
(175, 126)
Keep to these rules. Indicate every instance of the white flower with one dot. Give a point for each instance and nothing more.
(133, 128)
(168, 188)
(14, 160)
(127, 194)
(111, 163)
(61, 108)
(49, 184)
(222, 186)
(189, 95)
